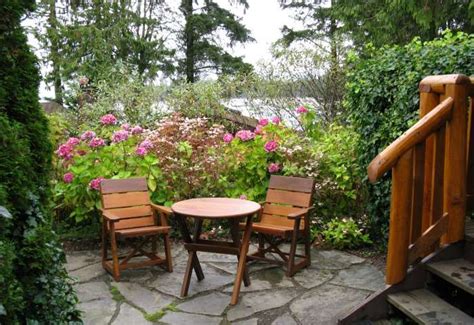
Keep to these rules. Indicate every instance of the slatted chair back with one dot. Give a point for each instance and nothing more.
(286, 195)
(128, 198)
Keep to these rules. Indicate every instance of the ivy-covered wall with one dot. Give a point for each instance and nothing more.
(33, 281)
(383, 101)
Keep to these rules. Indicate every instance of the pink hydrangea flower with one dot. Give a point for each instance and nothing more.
(68, 177)
(96, 142)
(95, 183)
(73, 141)
(125, 127)
(137, 130)
(119, 136)
(108, 119)
(258, 129)
(243, 197)
(141, 151)
(245, 135)
(88, 135)
(65, 151)
(276, 120)
(147, 144)
(228, 137)
(263, 121)
(301, 110)
(271, 146)
(273, 168)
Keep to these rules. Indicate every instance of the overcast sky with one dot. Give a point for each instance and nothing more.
(264, 18)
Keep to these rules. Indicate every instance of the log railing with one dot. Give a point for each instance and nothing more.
(431, 164)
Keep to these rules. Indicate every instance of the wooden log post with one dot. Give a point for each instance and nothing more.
(428, 101)
(400, 211)
(454, 198)
(470, 153)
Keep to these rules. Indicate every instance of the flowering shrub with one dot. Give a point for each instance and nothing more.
(108, 152)
(190, 153)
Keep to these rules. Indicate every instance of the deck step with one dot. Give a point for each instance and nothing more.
(424, 307)
(458, 272)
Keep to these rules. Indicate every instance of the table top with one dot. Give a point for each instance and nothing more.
(215, 208)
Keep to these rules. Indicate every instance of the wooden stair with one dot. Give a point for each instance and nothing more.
(424, 307)
(439, 290)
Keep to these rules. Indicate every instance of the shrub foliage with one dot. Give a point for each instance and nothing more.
(382, 100)
(33, 281)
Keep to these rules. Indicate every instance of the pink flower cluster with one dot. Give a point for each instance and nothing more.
(301, 110)
(271, 146)
(228, 137)
(273, 168)
(68, 177)
(276, 120)
(108, 119)
(66, 150)
(96, 142)
(245, 135)
(88, 135)
(119, 136)
(137, 130)
(95, 183)
(143, 147)
(263, 122)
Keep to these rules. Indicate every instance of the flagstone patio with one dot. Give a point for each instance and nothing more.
(335, 282)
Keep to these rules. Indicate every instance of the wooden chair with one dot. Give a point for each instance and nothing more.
(285, 214)
(127, 212)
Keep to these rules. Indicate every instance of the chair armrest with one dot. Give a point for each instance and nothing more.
(300, 213)
(162, 209)
(110, 216)
(163, 212)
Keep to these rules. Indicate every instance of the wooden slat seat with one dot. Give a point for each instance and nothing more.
(272, 229)
(285, 214)
(128, 212)
(140, 231)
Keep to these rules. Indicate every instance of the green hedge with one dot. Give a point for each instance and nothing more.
(34, 286)
(382, 100)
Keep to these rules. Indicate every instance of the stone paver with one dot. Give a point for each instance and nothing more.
(325, 304)
(129, 315)
(335, 282)
(211, 304)
(254, 302)
(176, 318)
(92, 291)
(98, 311)
(363, 276)
(144, 298)
(285, 319)
(88, 273)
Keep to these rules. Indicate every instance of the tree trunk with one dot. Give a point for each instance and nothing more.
(53, 37)
(187, 9)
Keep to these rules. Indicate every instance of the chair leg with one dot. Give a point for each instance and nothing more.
(261, 245)
(113, 243)
(169, 261)
(307, 245)
(294, 242)
(104, 242)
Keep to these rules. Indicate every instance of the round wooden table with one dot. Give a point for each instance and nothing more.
(216, 208)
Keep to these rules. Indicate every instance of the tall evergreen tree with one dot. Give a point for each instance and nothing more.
(34, 286)
(205, 24)
(380, 22)
(88, 38)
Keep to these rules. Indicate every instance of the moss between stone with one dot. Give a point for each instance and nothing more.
(116, 295)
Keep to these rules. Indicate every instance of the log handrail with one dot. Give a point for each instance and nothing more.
(431, 163)
(416, 134)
